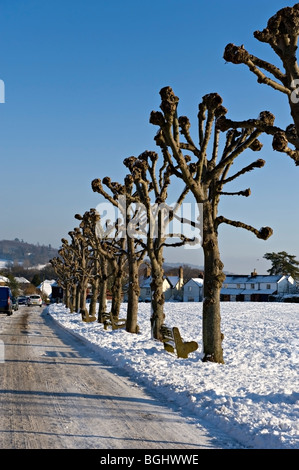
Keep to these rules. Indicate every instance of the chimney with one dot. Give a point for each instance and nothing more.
(147, 272)
(181, 273)
(254, 273)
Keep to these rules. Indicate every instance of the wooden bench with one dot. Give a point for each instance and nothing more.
(108, 321)
(87, 318)
(173, 342)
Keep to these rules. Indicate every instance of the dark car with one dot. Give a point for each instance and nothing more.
(15, 303)
(22, 300)
(6, 305)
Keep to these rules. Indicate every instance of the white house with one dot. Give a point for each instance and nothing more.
(4, 281)
(22, 280)
(172, 287)
(177, 283)
(256, 288)
(145, 289)
(46, 286)
(193, 290)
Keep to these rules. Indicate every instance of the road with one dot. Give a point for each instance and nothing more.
(56, 393)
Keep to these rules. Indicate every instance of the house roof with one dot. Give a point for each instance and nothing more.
(22, 280)
(239, 279)
(145, 283)
(258, 291)
(231, 291)
(46, 286)
(197, 280)
(173, 280)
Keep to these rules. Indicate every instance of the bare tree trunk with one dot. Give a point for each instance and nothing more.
(116, 295)
(83, 309)
(103, 290)
(94, 298)
(294, 112)
(95, 289)
(73, 298)
(213, 280)
(133, 290)
(78, 295)
(158, 300)
(67, 294)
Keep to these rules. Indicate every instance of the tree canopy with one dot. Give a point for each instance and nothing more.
(283, 263)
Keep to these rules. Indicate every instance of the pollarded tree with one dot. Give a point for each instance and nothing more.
(99, 272)
(65, 267)
(106, 248)
(152, 179)
(281, 34)
(206, 177)
(122, 199)
(111, 250)
(63, 275)
(283, 263)
(84, 267)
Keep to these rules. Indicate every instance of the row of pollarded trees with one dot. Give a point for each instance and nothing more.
(204, 166)
(99, 250)
(89, 260)
(141, 201)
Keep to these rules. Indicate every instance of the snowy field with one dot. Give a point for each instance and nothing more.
(253, 397)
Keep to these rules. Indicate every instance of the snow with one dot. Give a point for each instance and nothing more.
(197, 280)
(253, 398)
(22, 280)
(3, 263)
(46, 286)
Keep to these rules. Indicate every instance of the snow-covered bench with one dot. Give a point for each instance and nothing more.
(174, 343)
(86, 317)
(108, 321)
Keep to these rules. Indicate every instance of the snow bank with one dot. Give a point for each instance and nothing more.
(253, 397)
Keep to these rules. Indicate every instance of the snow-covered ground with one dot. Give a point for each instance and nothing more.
(3, 263)
(253, 397)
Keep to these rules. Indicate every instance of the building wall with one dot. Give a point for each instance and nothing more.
(259, 289)
(192, 292)
(145, 291)
(286, 286)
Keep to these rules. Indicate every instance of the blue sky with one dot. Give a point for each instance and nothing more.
(81, 78)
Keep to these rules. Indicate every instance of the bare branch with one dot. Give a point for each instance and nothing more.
(184, 241)
(264, 233)
(244, 193)
(239, 55)
(257, 164)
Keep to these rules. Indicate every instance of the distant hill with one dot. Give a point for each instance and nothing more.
(28, 254)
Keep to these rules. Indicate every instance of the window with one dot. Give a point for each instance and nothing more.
(148, 291)
(268, 286)
(252, 286)
(190, 288)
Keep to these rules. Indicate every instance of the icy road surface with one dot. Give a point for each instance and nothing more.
(56, 393)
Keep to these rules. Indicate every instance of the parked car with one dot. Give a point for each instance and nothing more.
(34, 299)
(22, 300)
(6, 300)
(15, 303)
